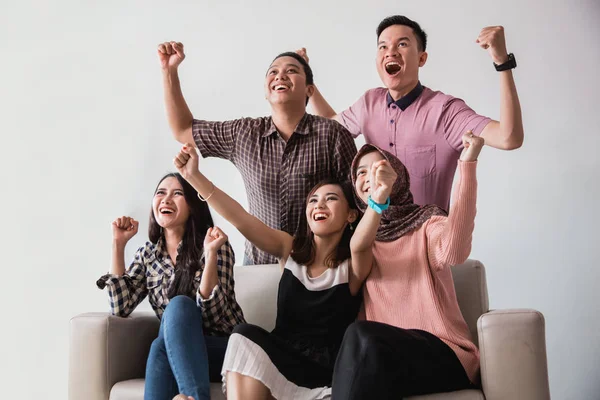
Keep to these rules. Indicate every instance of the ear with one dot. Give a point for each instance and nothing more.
(352, 216)
(310, 90)
(422, 59)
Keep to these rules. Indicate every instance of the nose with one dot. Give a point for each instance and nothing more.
(281, 75)
(391, 52)
(320, 204)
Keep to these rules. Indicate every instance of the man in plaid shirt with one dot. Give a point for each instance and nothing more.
(280, 157)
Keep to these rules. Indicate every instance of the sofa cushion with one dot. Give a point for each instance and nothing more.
(459, 395)
(134, 390)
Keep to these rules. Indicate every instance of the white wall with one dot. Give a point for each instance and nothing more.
(85, 138)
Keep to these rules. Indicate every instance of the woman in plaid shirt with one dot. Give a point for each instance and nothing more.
(186, 269)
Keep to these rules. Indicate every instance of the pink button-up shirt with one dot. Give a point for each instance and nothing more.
(423, 129)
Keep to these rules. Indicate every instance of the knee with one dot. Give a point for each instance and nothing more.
(157, 345)
(179, 306)
(359, 334)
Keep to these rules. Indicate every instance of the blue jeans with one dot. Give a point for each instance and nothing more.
(182, 359)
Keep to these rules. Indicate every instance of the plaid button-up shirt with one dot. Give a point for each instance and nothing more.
(151, 273)
(277, 174)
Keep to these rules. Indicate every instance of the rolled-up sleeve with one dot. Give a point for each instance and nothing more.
(126, 292)
(217, 309)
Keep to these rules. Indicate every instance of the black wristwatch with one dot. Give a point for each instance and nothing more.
(510, 64)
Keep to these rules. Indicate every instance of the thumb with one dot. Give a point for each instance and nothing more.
(189, 149)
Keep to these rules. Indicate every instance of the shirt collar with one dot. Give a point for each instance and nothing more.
(161, 248)
(405, 101)
(303, 127)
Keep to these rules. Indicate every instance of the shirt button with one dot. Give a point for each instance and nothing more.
(394, 106)
(391, 144)
(391, 121)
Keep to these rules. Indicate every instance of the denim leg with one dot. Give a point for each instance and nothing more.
(186, 348)
(160, 382)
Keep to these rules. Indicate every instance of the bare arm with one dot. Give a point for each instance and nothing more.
(123, 228)
(215, 238)
(272, 241)
(178, 113)
(361, 248)
(321, 107)
(210, 278)
(382, 178)
(506, 134)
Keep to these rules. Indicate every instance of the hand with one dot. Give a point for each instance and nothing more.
(302, 53)
(170, 55)
(186, 161)
(472, 147)
(124, 228)
(214, 239)
(492, 39)
(382, 180)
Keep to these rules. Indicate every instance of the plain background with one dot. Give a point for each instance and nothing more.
(85, 139)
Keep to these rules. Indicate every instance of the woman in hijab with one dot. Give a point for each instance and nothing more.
(413, 339)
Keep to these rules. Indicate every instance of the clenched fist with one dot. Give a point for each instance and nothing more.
(492, 39)
(186, 161)
(170, 55)
(124, 228)
(302, 53)
(382, 180)
(215, 238)
(472, 147)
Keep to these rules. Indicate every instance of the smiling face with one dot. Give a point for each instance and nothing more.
(399, 59)
(328, 212)
(285, 82)
(170, 209)
(362, 185)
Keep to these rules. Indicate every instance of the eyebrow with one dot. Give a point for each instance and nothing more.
(326, 194)
(401, 39)
(286, 65)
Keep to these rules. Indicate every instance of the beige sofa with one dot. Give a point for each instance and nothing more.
(107, 354)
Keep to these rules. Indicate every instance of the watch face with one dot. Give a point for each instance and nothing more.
(509, 64)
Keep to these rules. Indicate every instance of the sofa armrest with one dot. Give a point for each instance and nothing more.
(105, 349)
(512, 345)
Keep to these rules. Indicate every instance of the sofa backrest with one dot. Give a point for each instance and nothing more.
(256, 291)
(471, 292)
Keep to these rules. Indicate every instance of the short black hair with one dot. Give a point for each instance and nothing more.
(402, 20)
(307, 70)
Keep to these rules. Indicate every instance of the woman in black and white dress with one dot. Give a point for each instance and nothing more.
(323, 271)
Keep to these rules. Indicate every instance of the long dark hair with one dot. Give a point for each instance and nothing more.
(192, 246)
(303, 247)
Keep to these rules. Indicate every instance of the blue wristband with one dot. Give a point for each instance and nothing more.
(379, 208)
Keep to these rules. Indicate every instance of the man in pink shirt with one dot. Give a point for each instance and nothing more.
(422, 127)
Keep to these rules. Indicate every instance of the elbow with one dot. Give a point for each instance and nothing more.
(120, 313)
(514, 140)
(183, 134)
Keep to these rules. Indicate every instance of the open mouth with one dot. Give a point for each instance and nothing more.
(320, 217)
(166, 211)
(280, 88)
(392, 67)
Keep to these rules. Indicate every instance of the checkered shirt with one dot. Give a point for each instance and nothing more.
(278, 175)
(151, 273)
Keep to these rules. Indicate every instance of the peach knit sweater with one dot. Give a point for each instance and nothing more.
(411, 284)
